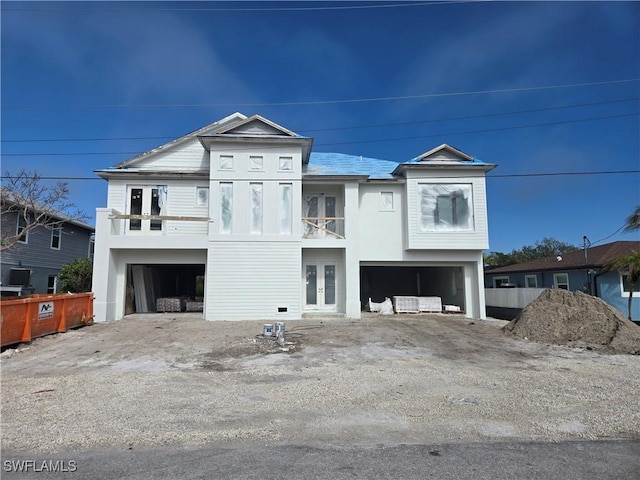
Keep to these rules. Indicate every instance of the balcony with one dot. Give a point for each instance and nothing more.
(331, 228)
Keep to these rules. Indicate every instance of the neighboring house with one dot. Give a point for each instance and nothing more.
(33, 263)
(581, 270)
(243, 217)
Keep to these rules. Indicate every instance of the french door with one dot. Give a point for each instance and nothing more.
(145, 200)
(320, 289)
(320, 216)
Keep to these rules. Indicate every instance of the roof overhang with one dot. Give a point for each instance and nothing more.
(208, 140)
(130, 173)
(457, 166)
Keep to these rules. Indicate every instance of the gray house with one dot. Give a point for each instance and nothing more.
(33, 263)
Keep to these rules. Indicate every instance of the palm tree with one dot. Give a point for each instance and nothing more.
(629, 265)
(633, 221)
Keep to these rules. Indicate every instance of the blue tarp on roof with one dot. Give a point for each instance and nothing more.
(321, 163)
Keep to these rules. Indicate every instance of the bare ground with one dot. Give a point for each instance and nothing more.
(152, 380)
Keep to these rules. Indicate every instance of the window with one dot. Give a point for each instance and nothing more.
(445, 207)
(226, 162)
(202, 196)
(285, 208)
(627, 288)
(285, 163)
(23, 237)
(255, 192)
(226, 207)
(55, 237)
(499, 281)
(255, 163)
(52, 284)
(386, 201)
(561, 280)
(531, 281)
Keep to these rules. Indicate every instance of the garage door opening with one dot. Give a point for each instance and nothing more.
(379, 282)
(164, 288)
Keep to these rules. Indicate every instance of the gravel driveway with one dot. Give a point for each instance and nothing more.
(153, 380)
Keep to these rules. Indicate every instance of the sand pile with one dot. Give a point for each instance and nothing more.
(578, 320)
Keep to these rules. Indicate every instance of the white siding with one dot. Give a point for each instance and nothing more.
(189, 156)
(457, 240)
(250, 280)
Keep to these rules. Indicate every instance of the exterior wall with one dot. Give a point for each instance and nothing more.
(188, 156)
(610, 290)
(37, 254)
(382, 235)
(251, 280)
(578, 279)
(478, 239)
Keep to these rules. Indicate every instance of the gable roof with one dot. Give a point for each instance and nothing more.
(444, 156)
(596, 257)
(226, 122)
(8, 197)
(440, 152)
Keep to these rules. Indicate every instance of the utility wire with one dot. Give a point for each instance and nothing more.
(499, 129)
(325, 102)
(355, 127)
(489, 176)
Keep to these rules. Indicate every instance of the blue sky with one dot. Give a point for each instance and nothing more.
(535, 87)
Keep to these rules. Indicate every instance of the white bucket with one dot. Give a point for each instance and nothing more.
(279, 328)
(267, 330)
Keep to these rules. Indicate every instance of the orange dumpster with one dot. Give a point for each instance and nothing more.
(23, 319)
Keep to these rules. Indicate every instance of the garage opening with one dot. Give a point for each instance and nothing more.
(379, 282)
(164, 288)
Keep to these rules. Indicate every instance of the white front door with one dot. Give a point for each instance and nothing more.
(144, 200)
(320, 287)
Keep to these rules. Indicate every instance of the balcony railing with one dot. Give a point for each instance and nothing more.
(323, 227)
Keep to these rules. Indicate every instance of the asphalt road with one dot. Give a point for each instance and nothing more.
(601, 460)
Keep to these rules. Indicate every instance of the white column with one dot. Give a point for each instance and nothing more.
(102, 266)
(351, 256)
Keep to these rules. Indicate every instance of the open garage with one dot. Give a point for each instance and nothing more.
(380, 281)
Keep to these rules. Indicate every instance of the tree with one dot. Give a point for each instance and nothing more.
(35, 204)
(546, 247)
(75, 277)
(629, 265)
(633, 221)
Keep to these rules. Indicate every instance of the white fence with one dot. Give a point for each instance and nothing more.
(511, 297)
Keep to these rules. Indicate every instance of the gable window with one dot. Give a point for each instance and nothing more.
(23, 237)
(56, 237)
(386, 201)
(627, 288)
(499, 281)
(444, 207)
(226, 207)
(226, 162)
(285, 163)
(256, 162)
(256, 207)
(531, 281)
(561, 280)
(202, 196)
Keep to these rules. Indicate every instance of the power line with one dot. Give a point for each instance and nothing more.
(518, 175)
(355, 127)
(515, 127)
(236, 9)
(327, 102)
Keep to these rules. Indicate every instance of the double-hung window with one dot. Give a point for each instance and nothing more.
(56, 234)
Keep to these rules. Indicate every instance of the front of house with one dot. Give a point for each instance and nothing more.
(244, 218)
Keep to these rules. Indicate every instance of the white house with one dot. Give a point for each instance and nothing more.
(242, 216)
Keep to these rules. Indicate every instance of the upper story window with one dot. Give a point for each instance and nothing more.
(23, 237)
(285, 163)
(445, 207)
(386, 202)
(56, 234)
(226, 207)
(285, 208)
(226, 162)
(202, 196)
(256, 162)
(256, 207)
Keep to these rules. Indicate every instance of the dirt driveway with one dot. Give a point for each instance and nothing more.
(152, 380)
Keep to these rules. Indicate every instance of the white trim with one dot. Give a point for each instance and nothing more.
(535, 281)
(624, 294)
(26, 235)
(503, 277)
(555, 280)
(53, 230)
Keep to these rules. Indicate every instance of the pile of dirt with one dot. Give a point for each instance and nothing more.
(578, 320)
